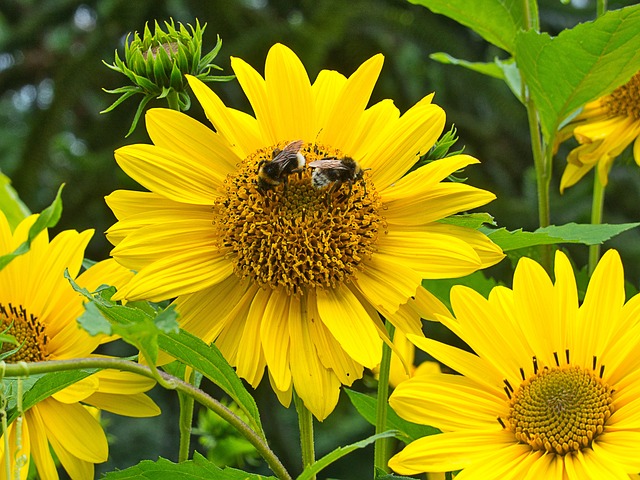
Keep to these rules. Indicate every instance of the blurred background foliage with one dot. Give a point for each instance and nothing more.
(51, 81)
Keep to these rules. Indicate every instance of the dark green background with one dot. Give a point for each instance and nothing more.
(51, 80)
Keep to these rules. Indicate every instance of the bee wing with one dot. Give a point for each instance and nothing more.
(332, 163)
(287, 154)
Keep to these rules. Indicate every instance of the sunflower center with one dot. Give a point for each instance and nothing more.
(292, 234)
(28, 332)
(625, 100)
(560, 409)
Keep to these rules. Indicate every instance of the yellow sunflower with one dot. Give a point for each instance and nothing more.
(553, 390)
(604, 128)
(39, 308)
(275, 269)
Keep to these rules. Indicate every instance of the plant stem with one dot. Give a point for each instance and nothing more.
(23, 369)
(186, 421)
(172, 100)
(305, 421)
(601, 7)
(597, 206)
(382, 445)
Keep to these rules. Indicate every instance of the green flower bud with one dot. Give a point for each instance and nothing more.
(157, 63)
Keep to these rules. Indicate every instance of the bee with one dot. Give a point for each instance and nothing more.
(272, 173)
(332, 172)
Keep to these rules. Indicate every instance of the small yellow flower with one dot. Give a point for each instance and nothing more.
(281, 273)
(604, 128)
(39, 308)
(553, 390)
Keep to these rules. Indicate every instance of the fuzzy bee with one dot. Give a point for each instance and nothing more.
(332, 172)
(272, 173)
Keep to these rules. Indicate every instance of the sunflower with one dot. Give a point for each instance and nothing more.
(553, 390)
(604, 128)
(274, 268)
(39, 308)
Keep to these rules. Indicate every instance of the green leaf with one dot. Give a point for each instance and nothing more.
(10, 203)
(489, 69)
(328, 459)
(36, 388)
(48, 218)
(134, 324)
(570, 233)
(477, 281)
(497, 21)
(579, 65)
(197, 469)
(366, 407)
(208, 360)
(511, 76)
(469, 220)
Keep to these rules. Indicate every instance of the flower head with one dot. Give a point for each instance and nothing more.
(39, 308)
(292, 273)
(156, 64)
(604, 129)
(553, 390)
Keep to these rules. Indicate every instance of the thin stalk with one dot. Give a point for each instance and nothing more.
(597, 202)
(305, 422)
(601, 7)
(382, 445)
(25, 369)
(172, 100)
(186, 421)
(542, 162)
(597, 207)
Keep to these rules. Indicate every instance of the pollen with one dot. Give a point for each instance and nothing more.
(27, 330)
(625, 100)
(560, 409)
(295, 236)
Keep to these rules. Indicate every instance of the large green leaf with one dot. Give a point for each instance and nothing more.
(197, 469)
(137, 326)
(580, 64)
(586, 234)
(366, 406)
(208, 360)
(497, 21)
(10, 203)
(48, 218)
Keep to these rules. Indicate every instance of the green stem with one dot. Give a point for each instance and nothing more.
(173, 101)
(382, 445)
(597, 206)
(601, 7)
(305, 421)
(23, 369)
(186, 421)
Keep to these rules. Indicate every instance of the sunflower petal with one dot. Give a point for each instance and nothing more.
(350, 324)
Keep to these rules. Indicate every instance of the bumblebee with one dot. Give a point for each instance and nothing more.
(272, 173)
(332, 172)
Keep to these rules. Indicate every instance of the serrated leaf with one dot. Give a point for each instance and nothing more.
(10, 203)
(580, 64)
(197, 469)
(569, 233)
(208, 360)
(36, 388)
(312, 470)
(489, 69)
(497, 21)
(133, 324)
(366, 407)
(48, 218)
